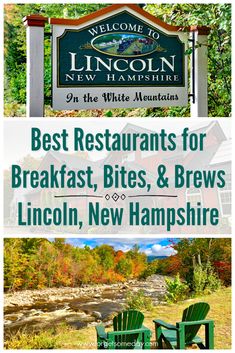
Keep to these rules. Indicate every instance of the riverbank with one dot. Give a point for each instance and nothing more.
(154, 284)
(65, 337)
(37, 310)
(30, 297)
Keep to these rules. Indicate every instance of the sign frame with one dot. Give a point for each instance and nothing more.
(139, 95)
(35, 25)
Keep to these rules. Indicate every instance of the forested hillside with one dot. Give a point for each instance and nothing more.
(40, 263)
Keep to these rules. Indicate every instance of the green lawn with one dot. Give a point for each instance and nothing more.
(64, 337)
(220, 312)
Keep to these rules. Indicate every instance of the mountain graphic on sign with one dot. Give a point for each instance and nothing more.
(125, 44)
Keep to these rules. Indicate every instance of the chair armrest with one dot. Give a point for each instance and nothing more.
(209, 332)
(144, 328)
(197, 322)
(100, 330)
(128, 332)
(165, 324)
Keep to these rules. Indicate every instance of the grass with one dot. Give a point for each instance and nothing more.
(22, 340)
(220, 312)
(64, 337)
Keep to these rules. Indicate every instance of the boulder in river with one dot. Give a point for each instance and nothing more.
(97, 314)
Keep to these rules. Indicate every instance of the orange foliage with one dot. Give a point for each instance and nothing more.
(119, 254)
(174, 264)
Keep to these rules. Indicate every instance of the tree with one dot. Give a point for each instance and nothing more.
(138, 259)
(59, 243)
(39, 262)
(218, 18)
(15, 264)
(106, 255)
(15, 43)
(198, 251)
(124, 267)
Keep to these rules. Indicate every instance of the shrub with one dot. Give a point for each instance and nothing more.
(224, 269)
(176, 290)
(23, 340)
(138, 301)
(199, 279)
(205, 279)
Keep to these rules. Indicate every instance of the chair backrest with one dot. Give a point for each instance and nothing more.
(194, 312)
(125, 321)
(128, 320)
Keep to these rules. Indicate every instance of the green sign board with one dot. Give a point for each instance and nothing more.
(122, 50)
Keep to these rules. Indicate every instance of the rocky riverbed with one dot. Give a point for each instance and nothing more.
(78, 307)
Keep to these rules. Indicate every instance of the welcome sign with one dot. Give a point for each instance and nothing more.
(120, 56)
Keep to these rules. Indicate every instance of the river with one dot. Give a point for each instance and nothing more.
(33, 310)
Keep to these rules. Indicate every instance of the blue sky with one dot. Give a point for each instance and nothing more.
(150, 246)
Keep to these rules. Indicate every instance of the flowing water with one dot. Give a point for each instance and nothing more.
(78, 312)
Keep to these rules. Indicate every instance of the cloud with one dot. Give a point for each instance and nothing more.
(149, 246)
(117, 243)
(160, 250)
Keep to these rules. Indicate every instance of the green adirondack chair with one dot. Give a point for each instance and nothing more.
(184, 333)
(128, 332)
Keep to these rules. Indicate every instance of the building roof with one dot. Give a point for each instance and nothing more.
(223, 153)
(76, 162)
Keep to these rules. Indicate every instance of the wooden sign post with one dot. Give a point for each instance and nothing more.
(199, 72)
(117, 57)
(35, 65)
